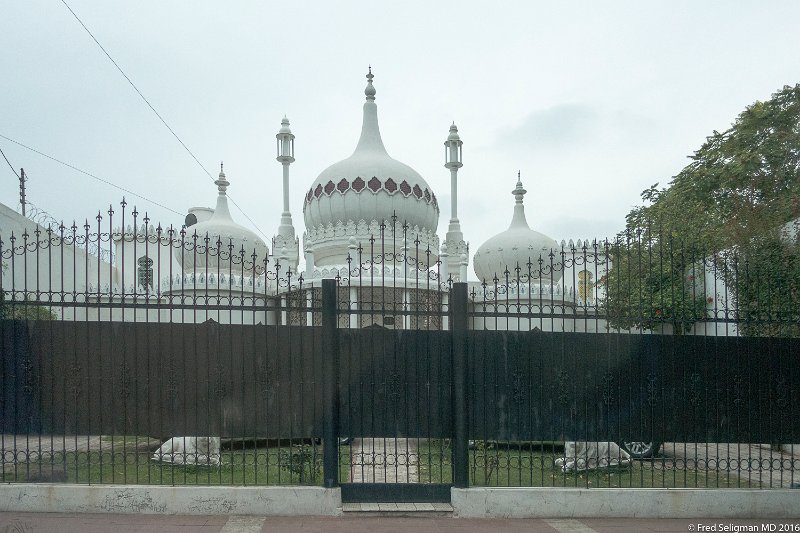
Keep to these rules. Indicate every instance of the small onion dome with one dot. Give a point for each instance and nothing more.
(370, 185)
(220, 241)
(517, 246)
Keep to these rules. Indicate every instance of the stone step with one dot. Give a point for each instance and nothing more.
(398, 509)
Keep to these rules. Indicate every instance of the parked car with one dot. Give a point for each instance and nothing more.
(641, 450)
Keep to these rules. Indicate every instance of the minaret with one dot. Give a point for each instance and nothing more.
(456, 246)
(286, 239)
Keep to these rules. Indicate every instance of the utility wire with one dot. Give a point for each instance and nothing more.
(14, 170)
(146, 101)
(73, 167)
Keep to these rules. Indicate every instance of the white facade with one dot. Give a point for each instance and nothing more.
(366, 195)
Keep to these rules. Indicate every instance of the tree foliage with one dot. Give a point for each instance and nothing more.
(646, 287)
(740, 188)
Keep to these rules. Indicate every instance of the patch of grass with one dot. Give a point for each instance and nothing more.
(534, 466)
(288, 465)
(511, 465)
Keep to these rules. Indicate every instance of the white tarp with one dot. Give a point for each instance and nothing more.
(584, 455)
(204, 451)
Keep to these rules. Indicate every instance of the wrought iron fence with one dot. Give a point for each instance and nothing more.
(177, 358)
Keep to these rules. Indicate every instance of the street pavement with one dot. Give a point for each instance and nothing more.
(115, 523)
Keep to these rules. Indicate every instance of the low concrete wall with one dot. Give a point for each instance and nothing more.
(473, 502)
(276, 501)
(630, 503)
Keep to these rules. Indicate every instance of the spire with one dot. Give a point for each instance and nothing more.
(456, 245)
(222, 184)
(285, 139)
(518, 220)
(370, 140)
(285, 240)
(370, 90)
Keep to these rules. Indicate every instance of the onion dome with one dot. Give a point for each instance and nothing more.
(220, 241)
(366, 189)
(516, 246)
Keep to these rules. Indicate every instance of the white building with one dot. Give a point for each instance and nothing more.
(369, 219)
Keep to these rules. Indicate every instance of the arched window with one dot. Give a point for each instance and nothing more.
(145, 272)
(585, 286)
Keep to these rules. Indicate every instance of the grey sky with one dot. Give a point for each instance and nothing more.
(593, 101)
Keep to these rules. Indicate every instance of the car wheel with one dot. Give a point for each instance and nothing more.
(641, 450)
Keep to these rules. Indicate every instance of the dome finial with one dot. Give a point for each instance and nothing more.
(222, 183)
(370, 90)
(519, 191)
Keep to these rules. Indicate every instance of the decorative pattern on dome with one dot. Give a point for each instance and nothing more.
(364, 230)
(374, 185)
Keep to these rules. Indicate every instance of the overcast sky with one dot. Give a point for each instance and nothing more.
(592, 101)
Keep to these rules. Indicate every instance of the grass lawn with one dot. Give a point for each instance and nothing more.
(286, 465)
(127, 460)
(532, 465)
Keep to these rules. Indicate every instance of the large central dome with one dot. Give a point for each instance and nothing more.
(351, 197)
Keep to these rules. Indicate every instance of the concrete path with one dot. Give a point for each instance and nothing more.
(756, 465)
(378, 460)
(88, 523)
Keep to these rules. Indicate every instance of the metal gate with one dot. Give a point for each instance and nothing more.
(394, 386)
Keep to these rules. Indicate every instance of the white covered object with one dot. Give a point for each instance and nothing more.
(204, 451)
(585, 455)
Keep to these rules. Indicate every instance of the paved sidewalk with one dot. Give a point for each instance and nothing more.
(384, 460)
(80, 523)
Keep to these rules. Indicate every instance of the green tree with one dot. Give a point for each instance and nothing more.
(726, 206)
(650, 284)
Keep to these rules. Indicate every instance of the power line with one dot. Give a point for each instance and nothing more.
(10, 165)
(135, 88)
(73, 167)
(153, 109)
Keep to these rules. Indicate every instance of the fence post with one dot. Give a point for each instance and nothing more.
(330, 372)
(458, 307)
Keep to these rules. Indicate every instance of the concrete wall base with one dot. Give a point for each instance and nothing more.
(625, 503)
(472, 502)
(276, 501)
